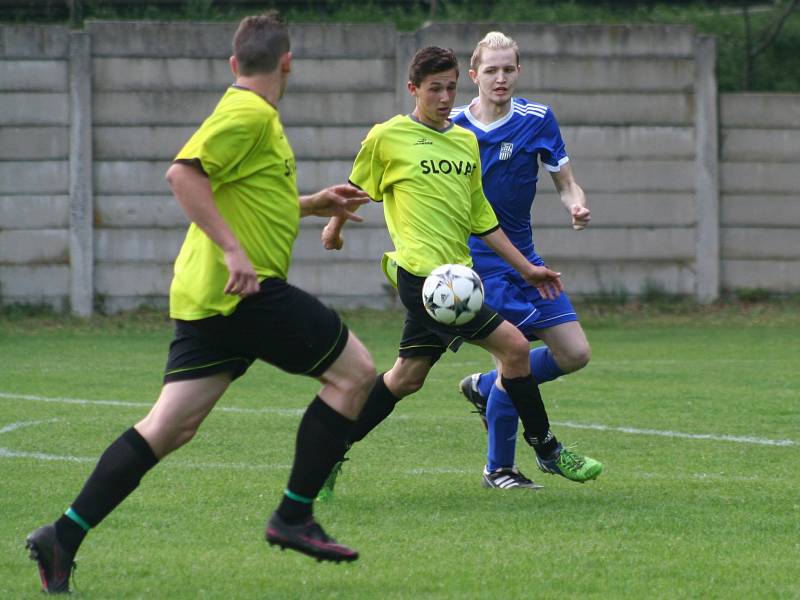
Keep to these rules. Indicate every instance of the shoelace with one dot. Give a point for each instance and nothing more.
(571, 460)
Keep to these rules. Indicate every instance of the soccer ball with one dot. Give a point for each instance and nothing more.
(452, 294)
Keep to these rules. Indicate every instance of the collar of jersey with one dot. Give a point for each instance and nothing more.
(445, 130)
(493, 125)
(244, 88)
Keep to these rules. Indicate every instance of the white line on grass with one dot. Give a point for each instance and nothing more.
(678, 434)
(296, 412)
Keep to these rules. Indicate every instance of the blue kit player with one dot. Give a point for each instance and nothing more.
(512, 134)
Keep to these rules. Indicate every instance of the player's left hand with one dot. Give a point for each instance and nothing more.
(339, 201)
(547, 281)
(581, 216)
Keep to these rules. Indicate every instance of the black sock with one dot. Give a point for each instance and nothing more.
(117, 474)
(524, 393)
(379, 405)
(69, 534)
(321, 443)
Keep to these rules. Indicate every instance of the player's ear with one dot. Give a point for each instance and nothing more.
(473, 74)
(234, 66)
(286, 62)
(412, 89)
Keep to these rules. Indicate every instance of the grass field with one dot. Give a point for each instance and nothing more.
(695, 416)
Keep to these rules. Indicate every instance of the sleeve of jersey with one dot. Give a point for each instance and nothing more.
(367, 172)
(484, 221)
(220, 144)
(551, 148)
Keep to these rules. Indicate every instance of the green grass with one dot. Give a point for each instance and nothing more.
(671, 517)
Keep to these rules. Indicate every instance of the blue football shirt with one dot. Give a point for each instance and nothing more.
(511, 149)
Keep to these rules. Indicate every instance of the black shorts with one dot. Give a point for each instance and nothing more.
(425, 336)
(281, 325)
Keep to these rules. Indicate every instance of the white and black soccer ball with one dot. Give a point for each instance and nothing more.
(452, 294)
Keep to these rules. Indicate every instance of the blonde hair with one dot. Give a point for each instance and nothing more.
(494, 40)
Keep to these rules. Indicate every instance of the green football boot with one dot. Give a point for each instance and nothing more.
(568, 464)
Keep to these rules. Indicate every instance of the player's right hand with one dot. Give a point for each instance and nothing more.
(547, 281)
(242, 279)
(331, 239)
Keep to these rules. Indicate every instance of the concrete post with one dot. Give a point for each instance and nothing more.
(706, 128)
(81, 230)
(405, 47)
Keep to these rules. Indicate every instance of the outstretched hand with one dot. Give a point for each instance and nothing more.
(547, 281)
(338, 201)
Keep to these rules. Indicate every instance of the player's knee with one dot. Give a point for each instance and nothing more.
(575, 358)
(516, 354)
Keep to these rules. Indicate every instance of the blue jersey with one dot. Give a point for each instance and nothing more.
(511, 149)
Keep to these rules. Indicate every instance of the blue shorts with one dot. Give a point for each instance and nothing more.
(519, 303)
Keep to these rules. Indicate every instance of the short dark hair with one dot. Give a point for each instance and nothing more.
(429, 61)
(259, 42)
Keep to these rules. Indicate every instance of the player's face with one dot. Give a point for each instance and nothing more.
(435, 96)
(497, 75)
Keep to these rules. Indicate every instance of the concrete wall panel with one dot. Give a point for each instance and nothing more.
(567, 40)
(759, 244)
(611, 278)
(606, 74)
(763, 110)
(189, 40)
(657, 176)
(33, 75)
(779, 276)
(140, 143)
(611, 245)
(637, 142)
(759, 178)
(751, 210)
(34, 143)
(31, 42)
(33, 108)
(132, 279)
(33, 246)
(213, 74)
(34, 212)
(764, 145)
(630, 209)
(137, 245)
(125, 178)
(33, 283)
(34, 177)
(138, 211)
(600, 108)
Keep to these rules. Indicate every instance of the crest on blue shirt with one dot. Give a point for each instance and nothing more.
(505, 150)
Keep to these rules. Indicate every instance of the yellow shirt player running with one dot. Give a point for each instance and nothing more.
(243, 151)
(430, 184)
(427, 173)
(232, 305)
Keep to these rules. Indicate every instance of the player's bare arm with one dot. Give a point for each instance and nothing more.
(547, 281)
(332, 234)
(192, 189)
(572, 197)
(338, 202)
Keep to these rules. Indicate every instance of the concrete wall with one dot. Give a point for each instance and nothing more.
(637, 106)
(760, 191)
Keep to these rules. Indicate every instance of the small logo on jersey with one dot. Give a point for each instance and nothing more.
(505, 150)
(423, 142)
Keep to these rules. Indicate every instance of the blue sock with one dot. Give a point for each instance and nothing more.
(543, 365)
(543, 369)
(503, 422)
